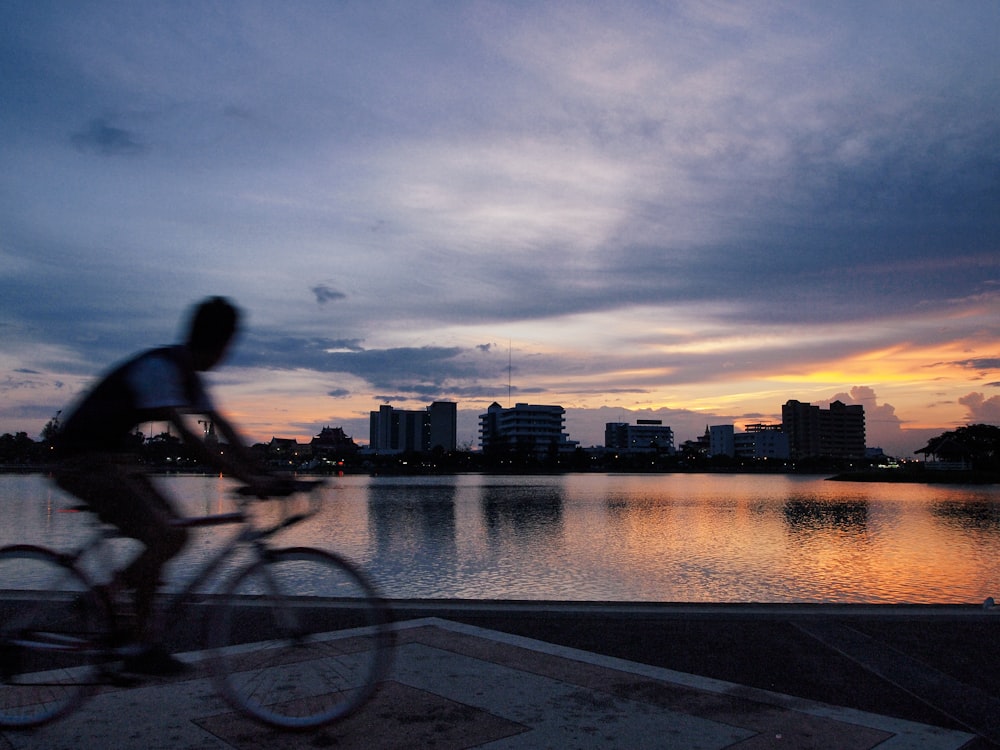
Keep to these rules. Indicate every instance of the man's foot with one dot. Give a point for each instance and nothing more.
(154, 660)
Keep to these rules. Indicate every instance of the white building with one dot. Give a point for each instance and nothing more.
(646, 436)
(721, 440)
(759, 441)
(525, 427)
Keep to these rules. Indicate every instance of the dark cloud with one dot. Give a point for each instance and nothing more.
(983, 363)
(338, 393)
(417, 369)
(422, 370)
(326, 294)
(351, 345)
(103, 138)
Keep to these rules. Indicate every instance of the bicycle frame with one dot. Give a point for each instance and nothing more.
(249, 536)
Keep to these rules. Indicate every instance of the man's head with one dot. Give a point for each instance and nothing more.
(213, 325)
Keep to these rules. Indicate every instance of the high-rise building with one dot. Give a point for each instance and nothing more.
(419, 431)
(645, 436)
(524, 427)
(837, 432)
(443, 419)
(722, 440)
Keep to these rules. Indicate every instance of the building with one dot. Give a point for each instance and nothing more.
(333, 443)
(837, 432)
(761, 441)
(443, 426)
(722, 440)
(284, 452)
(414, 431)
(645, 436)
(524, 428)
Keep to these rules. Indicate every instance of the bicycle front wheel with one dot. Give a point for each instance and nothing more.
(301, 639)
(50, 624)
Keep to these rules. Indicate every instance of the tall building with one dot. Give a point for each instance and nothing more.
(837, 432)
(524, 427)
(645, 436)
(722, 440)
(443, 419)
(413, 431)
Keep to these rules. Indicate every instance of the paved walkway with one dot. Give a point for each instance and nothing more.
(455, 685)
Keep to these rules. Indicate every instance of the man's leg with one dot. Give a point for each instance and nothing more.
(126, 498)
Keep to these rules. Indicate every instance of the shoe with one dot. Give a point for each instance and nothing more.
(154, 660)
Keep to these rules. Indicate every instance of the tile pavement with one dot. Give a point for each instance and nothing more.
(459, 686)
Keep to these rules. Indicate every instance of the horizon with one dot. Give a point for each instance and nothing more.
(467, 428)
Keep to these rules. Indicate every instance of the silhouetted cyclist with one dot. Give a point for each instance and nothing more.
(97, 465)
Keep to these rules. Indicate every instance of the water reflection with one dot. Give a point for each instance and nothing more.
(804, 515)
(614, 537)
(524, 514)
(981, 515)
(410, 517)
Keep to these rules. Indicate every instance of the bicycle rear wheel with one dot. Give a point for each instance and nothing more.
(50, 624)
(301, 639)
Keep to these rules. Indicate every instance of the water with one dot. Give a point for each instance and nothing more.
(679, 537)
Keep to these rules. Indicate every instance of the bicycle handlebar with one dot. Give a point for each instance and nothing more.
(283, 488)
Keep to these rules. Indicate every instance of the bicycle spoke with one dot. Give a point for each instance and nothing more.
(50, 622)
(301, 641)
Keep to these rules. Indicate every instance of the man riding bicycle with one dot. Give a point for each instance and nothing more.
(95, 463)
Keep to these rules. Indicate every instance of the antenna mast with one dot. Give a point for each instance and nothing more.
(508, 372)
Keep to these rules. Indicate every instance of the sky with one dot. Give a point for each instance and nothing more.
(691, 211)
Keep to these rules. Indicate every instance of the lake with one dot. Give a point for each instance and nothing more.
(597, 537)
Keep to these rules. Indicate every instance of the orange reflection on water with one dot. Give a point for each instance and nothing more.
(681, 537)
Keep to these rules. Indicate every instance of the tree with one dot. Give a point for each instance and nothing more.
(977, 444)
(17, 449)
(51, 429)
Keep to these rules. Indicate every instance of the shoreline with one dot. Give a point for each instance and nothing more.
(923, 476)
(881, 476)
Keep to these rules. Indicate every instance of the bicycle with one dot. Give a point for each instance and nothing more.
(296, 638)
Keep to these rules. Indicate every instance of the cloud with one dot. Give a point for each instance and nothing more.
(419, 371)
(982, 363)
(981, 410)
(101, 137)
(326, 294)
(883, 427)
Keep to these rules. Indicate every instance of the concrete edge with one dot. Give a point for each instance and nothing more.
(407, 608)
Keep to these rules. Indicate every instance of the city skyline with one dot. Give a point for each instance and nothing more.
(690, 211)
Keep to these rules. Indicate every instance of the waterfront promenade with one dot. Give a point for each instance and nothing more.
(564, 675)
